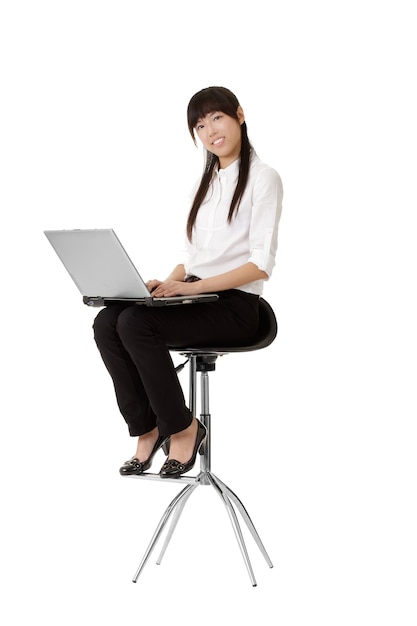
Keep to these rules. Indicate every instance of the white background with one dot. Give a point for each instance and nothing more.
(93, 134)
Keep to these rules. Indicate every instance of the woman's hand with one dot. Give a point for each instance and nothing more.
(170, 288)
(153, 284)
(174, 285)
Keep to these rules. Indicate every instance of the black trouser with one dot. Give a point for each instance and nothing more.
(133, 343)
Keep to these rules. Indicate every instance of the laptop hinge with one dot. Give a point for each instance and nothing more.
(93, 301)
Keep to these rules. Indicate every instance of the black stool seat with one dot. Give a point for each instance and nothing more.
(202, 360)
(265, 335)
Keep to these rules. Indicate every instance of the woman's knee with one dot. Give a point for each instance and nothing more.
(105, 322)
(132, 322)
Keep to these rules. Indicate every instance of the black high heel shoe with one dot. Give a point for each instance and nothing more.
(134, 467)
(173, 469)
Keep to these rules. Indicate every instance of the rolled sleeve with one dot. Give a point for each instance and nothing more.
(266, 213)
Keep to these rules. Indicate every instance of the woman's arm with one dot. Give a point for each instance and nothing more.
(178, 273)
(232, 279)
(173, 286)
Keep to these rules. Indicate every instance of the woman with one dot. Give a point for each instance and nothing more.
(231, 243)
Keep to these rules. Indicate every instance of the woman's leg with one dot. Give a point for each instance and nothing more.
(134, 341)
(140, 334)
(130, 394)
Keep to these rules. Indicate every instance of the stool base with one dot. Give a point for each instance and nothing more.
(176, 506)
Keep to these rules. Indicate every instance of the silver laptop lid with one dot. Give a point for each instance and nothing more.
(98, 263)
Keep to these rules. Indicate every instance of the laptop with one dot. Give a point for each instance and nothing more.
(103, 272)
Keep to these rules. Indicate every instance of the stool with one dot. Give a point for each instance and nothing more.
(203, 360)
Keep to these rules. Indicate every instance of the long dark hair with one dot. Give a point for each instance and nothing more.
(201, 104)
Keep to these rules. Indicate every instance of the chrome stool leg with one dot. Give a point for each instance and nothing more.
(236, 527)
(245, 517)
(178, 510)
(183, 494)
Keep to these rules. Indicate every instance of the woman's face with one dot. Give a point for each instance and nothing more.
(221, 134)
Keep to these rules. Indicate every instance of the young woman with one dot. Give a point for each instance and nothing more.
(231, 242)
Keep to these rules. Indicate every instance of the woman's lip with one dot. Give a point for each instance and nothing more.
(218, 142)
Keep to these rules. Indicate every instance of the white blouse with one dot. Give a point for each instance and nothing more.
(252, 235)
